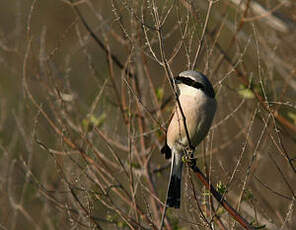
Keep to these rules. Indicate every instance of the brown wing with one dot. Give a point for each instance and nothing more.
(166, 150)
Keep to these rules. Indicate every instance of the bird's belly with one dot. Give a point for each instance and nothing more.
(199, 115)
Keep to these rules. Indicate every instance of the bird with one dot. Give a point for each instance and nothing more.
(196, 98)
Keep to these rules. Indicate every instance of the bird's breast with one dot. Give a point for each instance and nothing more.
(199, 112)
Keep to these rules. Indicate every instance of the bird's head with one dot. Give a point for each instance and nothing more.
(189, 81)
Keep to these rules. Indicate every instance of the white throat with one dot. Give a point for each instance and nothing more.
(189, 91)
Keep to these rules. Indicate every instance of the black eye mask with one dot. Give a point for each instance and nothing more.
(189, 82)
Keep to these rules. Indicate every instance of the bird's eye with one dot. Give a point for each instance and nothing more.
(178, 80)
(188, 81)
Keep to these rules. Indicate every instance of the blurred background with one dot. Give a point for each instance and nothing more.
(85, 101)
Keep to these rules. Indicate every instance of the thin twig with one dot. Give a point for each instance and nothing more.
(202, 35)
(220, 198)
(100, 43)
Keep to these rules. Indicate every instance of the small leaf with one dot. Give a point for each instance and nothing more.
(221, 188)
(159, 93)
(245, 92)
(92, 121)
(292, 116)
(67, 97)
(220, 211)
(248, 195)
(206, 193)
(121, 224)
(136, 165)
(110, 218)
(85, 124)
(98, 121)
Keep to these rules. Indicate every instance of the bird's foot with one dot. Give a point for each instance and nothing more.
(189, 150)
(192, 162)
(189, 158)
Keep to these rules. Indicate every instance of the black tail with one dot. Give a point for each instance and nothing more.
(174, 190)
(174, 193)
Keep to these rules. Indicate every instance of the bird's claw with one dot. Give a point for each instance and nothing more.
(188, 157)
(192, 162)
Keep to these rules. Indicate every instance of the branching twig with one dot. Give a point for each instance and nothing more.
(220, 198)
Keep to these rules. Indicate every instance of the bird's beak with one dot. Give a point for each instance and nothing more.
(176, 80)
